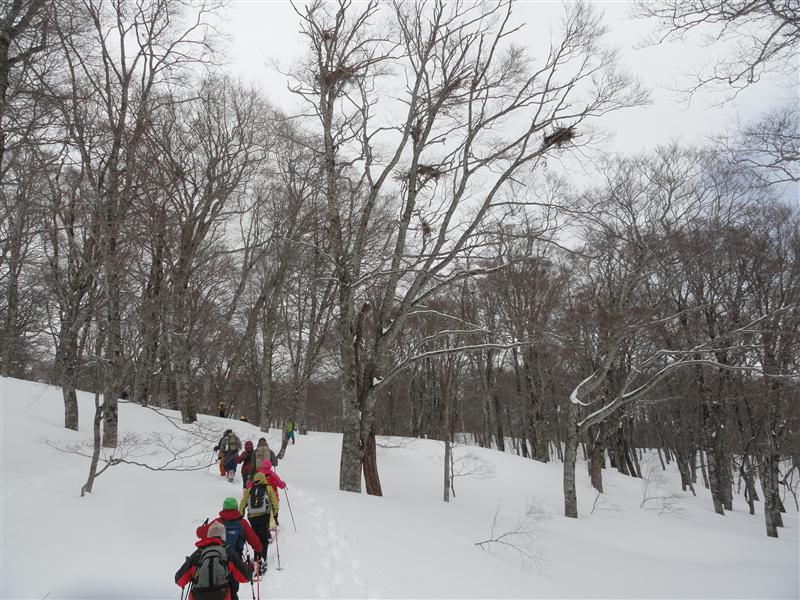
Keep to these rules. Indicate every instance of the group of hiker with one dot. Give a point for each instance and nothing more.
(217, 566)
(251, 458)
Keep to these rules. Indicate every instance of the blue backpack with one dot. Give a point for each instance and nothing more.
(234, 535)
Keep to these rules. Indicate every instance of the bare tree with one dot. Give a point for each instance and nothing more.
(209, 149)
(769, 147)
(763, 35)
(524, 537)
(23, 35)
(464, 98)
(656, 494)
(629, 225)
(70, 245)
(116, 62)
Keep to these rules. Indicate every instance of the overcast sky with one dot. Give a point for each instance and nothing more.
(263, 31)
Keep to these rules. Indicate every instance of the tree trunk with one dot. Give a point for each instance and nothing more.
(66, 363)
(498, 416)
(570, 456)
(98, 413)
(597, 452)
(371, 477)
(447, 466)
(620, 455)
(298, 408)
(112, 387)
(770, 492)
(10, 360)
(533, 388)
(713, 479)
(265, 406)
(703, 470)
(749, 484)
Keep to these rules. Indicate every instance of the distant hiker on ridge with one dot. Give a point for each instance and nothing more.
(289, 432)
(221, 409)
(213, 568)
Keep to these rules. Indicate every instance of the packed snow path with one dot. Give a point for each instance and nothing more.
(128, 537)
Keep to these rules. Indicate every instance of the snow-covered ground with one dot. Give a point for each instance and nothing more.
(127, 539)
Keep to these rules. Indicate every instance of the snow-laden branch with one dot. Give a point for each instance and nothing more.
(445, 351)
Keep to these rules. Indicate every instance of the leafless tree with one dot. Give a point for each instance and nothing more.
(763, 35)
(209, 149)
(23, 34)
(118, 58)
(473, 110)
(524, 537)
(769, 147)
(70, 246)
(656, 492)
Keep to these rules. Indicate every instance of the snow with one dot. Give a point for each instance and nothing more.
(127, 539)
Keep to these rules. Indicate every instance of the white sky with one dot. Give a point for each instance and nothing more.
(263, 31)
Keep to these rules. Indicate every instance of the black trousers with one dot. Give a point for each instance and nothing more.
(260, 525)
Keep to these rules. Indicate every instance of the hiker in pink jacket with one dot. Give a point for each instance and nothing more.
(274, 482)
(272, 477)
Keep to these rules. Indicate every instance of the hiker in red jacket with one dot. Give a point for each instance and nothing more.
(237, 529)
(248, 460)
(201, 568)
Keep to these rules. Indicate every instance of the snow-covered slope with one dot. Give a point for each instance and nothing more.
(127, 538)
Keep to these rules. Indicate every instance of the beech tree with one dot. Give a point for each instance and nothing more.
(118, 57)
(209, 149)
(474, 110)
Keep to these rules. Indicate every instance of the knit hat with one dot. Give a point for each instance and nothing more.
(217, 530)
(259, 478)
(229, 504)
(248, 445)
(266, 465)
(262, 442)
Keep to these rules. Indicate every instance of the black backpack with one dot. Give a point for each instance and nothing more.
(232, 443)
(211, 577)
(258, 504)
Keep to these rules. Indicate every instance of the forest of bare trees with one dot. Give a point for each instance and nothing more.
(433, 245)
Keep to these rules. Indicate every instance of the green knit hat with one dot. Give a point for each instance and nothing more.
(230, 503)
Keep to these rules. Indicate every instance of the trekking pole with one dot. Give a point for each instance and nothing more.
(252, 566)
(187, 590)
(258, 582)
(278, 549)
(291, 514)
